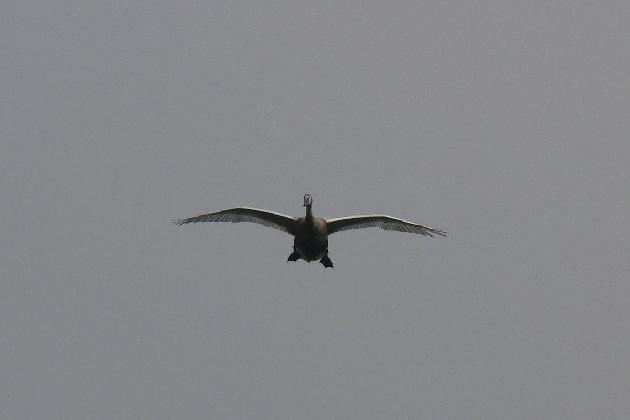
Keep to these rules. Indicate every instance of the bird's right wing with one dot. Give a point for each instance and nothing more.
(382, 221)
(246, 214)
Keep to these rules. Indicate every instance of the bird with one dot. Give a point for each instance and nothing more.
(311, 233)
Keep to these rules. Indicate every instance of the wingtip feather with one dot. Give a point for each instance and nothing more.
(441, 232)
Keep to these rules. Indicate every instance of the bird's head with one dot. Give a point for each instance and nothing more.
(308, 200)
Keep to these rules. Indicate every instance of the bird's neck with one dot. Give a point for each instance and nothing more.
(309, 213)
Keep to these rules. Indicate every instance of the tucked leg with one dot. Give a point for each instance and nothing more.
(326, 261)
(294, 256)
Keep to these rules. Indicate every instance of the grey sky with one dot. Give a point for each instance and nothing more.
(505, 122)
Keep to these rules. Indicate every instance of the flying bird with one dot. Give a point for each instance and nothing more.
(311, 233)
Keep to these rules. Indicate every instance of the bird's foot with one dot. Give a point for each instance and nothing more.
(293, 257)
(326, 261)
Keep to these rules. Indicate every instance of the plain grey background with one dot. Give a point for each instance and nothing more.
(505, 122)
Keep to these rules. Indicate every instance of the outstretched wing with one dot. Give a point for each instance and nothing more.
(246, 214)
(381, 221)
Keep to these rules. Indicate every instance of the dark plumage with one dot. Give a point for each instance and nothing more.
(311, 233)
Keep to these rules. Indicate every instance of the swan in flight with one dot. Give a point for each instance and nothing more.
(311, 233)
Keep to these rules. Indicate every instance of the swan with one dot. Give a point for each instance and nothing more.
(311, 233)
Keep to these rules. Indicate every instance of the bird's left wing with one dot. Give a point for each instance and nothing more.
(246, 214)
(381, 221)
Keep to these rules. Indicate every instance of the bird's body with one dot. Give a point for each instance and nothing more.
(311, 238)
(311, 233)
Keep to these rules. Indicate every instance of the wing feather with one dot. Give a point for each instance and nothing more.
(245, 214)
(381, 221)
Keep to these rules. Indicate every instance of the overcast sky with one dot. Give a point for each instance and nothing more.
(505, 122)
